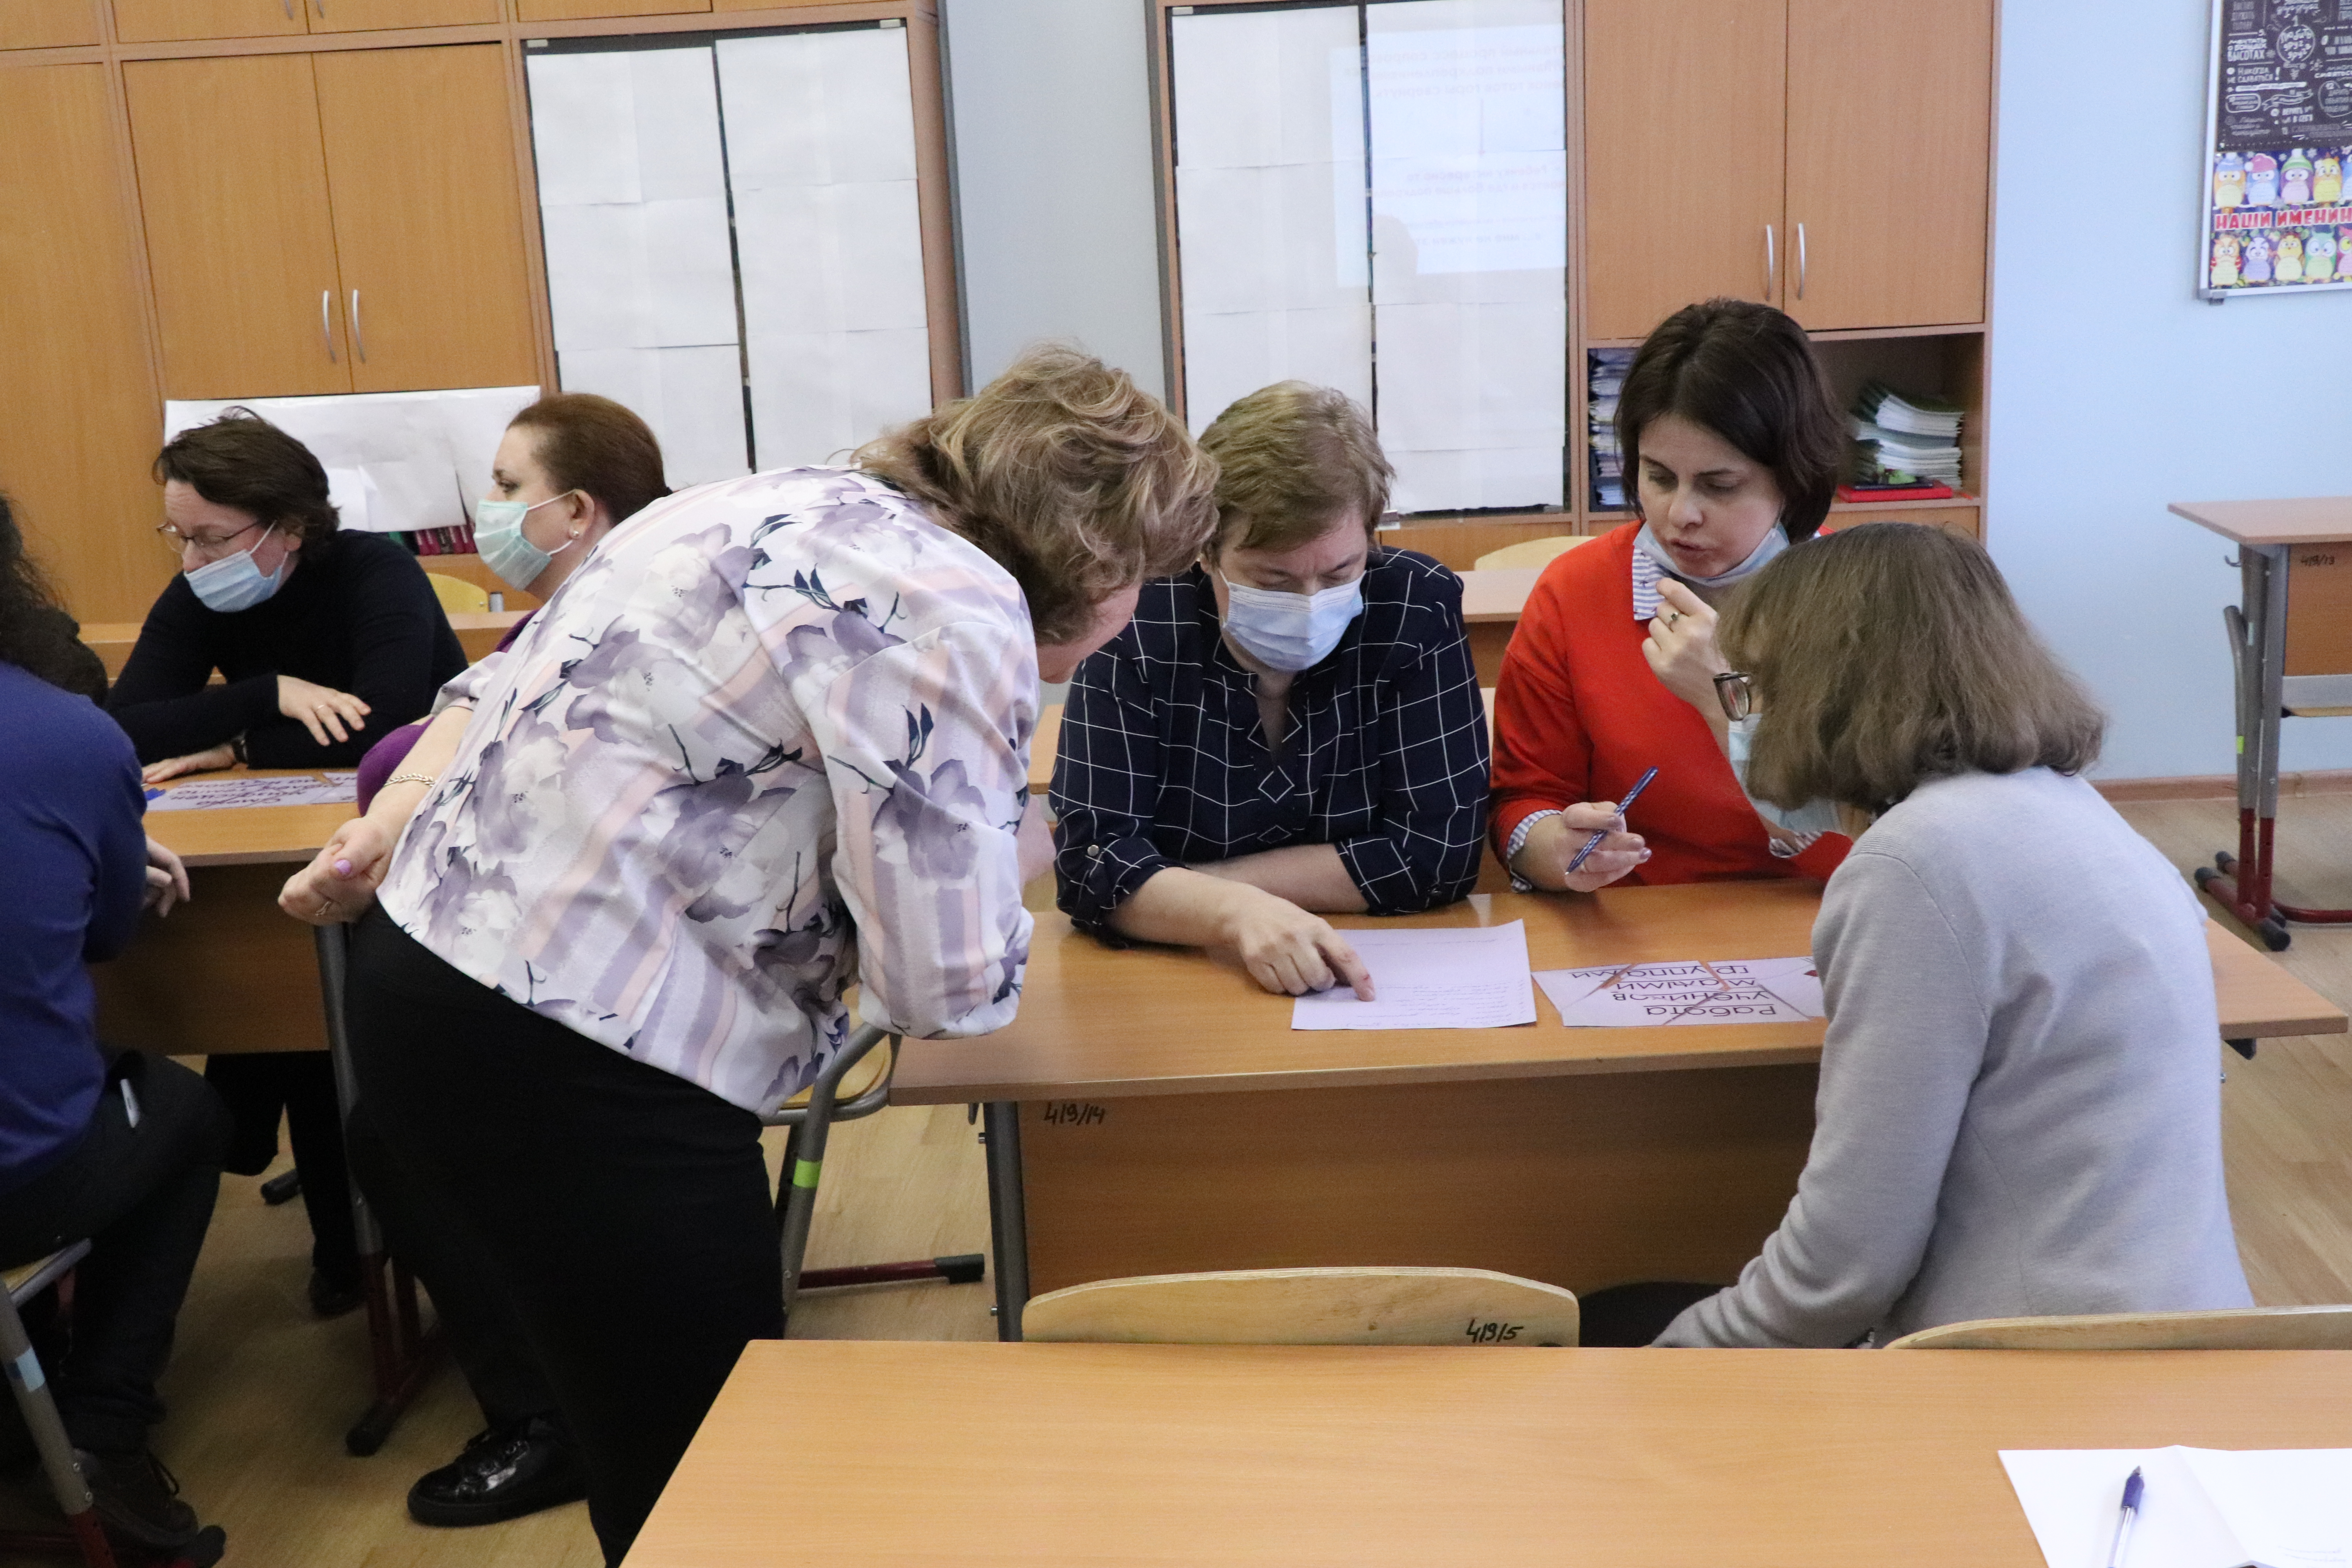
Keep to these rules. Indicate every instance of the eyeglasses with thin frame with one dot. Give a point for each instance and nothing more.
(176, 542)
(1735, 690)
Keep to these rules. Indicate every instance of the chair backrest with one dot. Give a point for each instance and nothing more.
(2228, 1329)
(1309, 1306)
(458, 595)
(1531, 551)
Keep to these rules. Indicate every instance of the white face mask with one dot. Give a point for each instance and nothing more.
(1775, 539)
(1290, 631)
(500, 540)
(1808, 821)
(234, 583)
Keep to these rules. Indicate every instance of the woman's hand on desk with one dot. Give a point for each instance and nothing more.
(1552, 843)
(330, 715)
(340, 883)
(167, 880)
(203, 762)
(1288, 951)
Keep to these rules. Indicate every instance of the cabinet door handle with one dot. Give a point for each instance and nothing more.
(1801, 261)
(327, 323)
(359, 338)
(289, 5)
(1772, 265)
(321, 5)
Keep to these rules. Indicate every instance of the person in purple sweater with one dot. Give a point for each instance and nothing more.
(119, 1148)
(570, 468)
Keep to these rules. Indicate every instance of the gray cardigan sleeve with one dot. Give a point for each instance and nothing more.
(1907, 1033)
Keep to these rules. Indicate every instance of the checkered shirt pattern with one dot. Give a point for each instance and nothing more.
(1163, 761)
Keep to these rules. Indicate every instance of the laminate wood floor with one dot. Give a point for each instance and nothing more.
(260, 1393)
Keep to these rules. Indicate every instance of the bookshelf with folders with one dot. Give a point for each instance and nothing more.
(1467, 214)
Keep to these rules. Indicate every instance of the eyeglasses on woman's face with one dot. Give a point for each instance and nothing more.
(1737, 691)
(207, 544)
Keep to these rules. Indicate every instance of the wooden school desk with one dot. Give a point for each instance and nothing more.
(848, 1454)
(1492, 602)
(2291, 651)
(477, 634)
(1153, 1111)
(229, 971)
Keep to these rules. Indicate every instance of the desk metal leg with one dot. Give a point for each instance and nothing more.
(1008, 1215)
(2258, 654)
(402, 1355)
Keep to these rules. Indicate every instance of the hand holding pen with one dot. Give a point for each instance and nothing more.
(1585, 848)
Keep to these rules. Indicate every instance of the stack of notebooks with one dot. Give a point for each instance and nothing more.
(1903, 447)
(1608, 371)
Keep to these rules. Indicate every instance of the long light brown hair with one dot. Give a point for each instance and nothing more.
(1885, 655)
(1068, 474)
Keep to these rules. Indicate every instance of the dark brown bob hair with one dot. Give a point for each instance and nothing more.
(589, 443)
(242, 460)
(1749, 374)
(1069, 476)
(1290, 456)
(1891, 653)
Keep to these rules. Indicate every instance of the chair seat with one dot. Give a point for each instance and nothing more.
(29, 1278)
(871, 1069)
(1330, 1306)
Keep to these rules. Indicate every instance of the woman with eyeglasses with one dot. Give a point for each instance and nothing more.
(325, 641)
(2020, 1107)
(1734, 444)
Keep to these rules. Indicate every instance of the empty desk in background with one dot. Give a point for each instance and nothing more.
(1492, 602)
(1151, 1110)
(477, 634)
(2291, 652)
(1069, 1455)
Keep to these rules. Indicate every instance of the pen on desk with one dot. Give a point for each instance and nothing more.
(2130, 1516)
(1622, 808)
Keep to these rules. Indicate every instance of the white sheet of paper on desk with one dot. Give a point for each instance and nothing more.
(1741, 991)
(2202, 1508)
(1451, 977)
(229, 795)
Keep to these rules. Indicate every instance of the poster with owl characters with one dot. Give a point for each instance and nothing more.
(2279, 122)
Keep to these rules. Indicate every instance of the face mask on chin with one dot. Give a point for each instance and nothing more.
(1775, 539)
(234, 583)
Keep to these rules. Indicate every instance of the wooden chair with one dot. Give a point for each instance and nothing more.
(34, 1401)
(1532, 552)
(458, 596)
(1309, 1306)
(2228, 1329)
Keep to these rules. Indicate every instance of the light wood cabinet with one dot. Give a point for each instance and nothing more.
(1684, 114)
(232, 183)
(428, 228)
(158, 21)
(363, 16)
(565, 10)
(48, 23)
(1890, 129)
(83, 419)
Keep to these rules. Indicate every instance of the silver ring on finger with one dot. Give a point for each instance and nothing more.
(1673, 615)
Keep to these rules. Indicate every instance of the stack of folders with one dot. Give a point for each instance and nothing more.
(1904, 444)
(1608, 371)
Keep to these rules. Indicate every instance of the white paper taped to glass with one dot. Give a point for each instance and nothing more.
(396, 462)
(1447, 978)
(1726, 991)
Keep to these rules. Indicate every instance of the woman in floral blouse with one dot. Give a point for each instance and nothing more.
(770, 740)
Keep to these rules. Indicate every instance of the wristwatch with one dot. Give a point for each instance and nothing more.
(237, 749)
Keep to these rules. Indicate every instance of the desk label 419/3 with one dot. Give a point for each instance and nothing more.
(1074, 1113)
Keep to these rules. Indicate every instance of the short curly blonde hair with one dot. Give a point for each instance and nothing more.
(1067, 474)
(1289, 457)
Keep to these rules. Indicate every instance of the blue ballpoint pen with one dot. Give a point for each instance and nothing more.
(2132, 1489)
(1622, 808)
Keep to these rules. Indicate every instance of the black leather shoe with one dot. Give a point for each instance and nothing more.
(503, 1473)
(138, 1499)
(328, 1299)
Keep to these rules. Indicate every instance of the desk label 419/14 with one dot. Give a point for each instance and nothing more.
(1074, 1113)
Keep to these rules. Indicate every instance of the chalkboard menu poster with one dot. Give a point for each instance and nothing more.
(2279, 119)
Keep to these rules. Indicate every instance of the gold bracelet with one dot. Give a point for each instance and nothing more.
(427, 780)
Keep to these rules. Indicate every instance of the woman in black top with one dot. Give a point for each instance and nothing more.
(1292, 728)
(326, 641)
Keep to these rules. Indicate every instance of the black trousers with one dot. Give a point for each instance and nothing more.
(301, 1085)
(143, 1197)
(622, 1212)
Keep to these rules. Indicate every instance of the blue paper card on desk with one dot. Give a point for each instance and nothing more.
(226, 794)
(1448, 977)
(1727, 991)
(2202, 1508)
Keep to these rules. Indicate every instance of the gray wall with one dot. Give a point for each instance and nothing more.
(1051, 107)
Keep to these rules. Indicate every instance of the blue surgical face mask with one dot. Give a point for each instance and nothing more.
(234, 583)
(1775, 539)
(1291, 631)
(498, 536)
(1808, 821)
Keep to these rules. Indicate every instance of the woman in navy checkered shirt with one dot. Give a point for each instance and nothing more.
(1291, 729)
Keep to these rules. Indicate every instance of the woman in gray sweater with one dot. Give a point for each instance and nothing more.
(2020, 1108)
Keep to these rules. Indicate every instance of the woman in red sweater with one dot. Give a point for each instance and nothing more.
(1734, 443)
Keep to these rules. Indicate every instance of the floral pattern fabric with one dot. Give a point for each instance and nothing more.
(770, 740)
